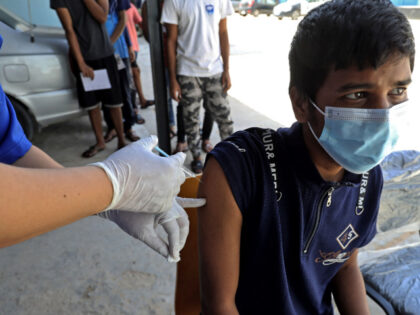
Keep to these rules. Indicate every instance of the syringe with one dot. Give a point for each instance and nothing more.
(186, 170)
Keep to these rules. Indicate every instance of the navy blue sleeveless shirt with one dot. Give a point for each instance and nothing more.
(295, 236)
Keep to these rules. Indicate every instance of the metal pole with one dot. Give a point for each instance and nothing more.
(30, 21)
(158, 71)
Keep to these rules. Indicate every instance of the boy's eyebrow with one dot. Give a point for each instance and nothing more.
(361, 86)
(403, 82)
(355, 86)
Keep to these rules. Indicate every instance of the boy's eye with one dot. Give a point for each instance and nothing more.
(398, 91)
(355, 96)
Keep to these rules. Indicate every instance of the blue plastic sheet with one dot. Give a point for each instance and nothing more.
(396, 276)
(400, 201)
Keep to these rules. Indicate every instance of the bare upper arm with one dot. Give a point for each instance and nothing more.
(122, 17)
(172, 31)
(349, 289)
(223, 26)
(220, 222)
(145, 25)
(65, 18)
(36, 158)
(340, 279)
(352, 261)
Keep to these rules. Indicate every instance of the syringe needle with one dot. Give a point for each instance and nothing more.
(186, 170)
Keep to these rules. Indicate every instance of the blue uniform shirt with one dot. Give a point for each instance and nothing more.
(13, 142)
(122, 43)
(295, 237)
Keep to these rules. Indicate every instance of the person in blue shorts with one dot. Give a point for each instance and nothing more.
(118, 34)
(287, 210)
(38, 194)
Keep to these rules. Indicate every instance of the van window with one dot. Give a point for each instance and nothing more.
(41, 13)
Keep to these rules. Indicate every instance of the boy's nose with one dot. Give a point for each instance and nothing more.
(381, 103)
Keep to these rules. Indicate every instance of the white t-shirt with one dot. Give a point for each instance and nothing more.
(198, 45)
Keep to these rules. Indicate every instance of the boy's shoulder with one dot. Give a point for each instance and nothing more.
(258, 140)
(250, 140)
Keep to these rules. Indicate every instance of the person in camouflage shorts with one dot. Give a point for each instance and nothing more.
(193, 90)
(198, 63)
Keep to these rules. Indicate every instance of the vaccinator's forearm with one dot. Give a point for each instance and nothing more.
(35, 201)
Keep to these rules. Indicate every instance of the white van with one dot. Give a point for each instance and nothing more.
(295, 8)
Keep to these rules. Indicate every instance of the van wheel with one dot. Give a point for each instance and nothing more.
(25, 119)
(256, 13)
(295, 15)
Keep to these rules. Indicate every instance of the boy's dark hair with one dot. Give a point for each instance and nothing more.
(343, 33)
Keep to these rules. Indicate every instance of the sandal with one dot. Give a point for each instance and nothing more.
(140, 120)
(120, 146)
(206, 146)
(197, 166)
(130, 135)
(147, 104)
(92, 151)
(110, 135)
(172, 132)
(181, 147)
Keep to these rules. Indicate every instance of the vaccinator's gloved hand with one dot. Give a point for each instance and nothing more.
(143, 226)
(143, 181)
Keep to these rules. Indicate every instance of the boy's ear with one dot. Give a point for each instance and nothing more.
(300, 105)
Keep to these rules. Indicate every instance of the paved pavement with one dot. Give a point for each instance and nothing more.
(91, 267)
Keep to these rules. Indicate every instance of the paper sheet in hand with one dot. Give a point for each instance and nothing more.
(100, 82)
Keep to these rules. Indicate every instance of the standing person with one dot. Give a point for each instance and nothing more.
(116, 27)
(206, 146)
(288, 209)
(133, 19)
(91, 49)
(198, 55)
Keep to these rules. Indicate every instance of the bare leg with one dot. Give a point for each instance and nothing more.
(96, 122)
(137, 83)
(116, 116)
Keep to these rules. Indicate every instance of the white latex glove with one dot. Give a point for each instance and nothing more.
(143, 226)
(143, 181)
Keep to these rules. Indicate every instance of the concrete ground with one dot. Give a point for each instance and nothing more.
(91, 266)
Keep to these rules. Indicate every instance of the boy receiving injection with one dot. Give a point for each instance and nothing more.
(287, 210)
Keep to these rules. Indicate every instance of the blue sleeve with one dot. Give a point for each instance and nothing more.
(127, 37)
(13, 142)
(237, 159)
(123, 5)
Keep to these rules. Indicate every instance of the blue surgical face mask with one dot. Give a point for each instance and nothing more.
(358, 139)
